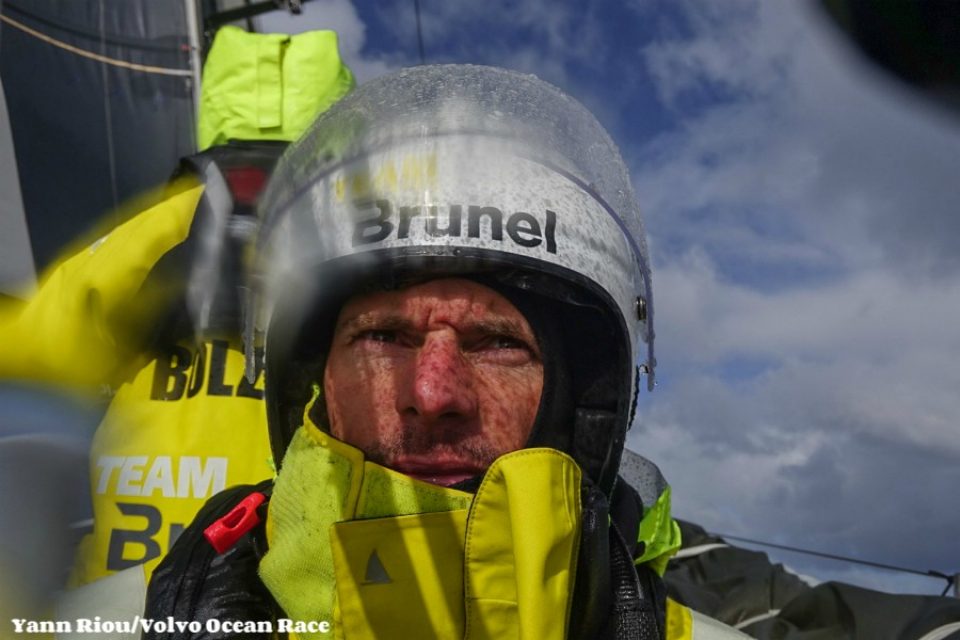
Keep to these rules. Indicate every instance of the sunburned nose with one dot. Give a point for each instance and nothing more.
(442, 384)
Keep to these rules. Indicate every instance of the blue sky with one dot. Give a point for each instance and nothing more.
(802, 213)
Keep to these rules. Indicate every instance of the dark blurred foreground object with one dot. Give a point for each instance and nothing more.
(766, 601)
(916, 40)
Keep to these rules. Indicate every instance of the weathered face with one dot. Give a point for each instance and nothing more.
(435, 381)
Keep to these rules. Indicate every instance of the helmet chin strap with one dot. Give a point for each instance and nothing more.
(597, 443)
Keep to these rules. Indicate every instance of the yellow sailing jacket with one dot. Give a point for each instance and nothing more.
(378, 554)
(183, 423)
(357, 551)
(184, 428)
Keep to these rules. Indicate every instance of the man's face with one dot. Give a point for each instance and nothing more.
(435, 381)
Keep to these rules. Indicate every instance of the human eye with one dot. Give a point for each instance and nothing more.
(378, 336)
(503, 348)
(507, 342)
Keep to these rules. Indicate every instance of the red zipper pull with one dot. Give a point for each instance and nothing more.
(225, 532)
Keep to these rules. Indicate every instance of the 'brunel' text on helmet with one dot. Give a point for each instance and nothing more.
(523, 229)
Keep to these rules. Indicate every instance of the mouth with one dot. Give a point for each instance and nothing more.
(440, 471)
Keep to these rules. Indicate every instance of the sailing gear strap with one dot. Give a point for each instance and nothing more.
(639, 594)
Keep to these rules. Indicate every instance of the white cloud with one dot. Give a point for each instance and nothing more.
(337, 15)
(871, 315)
(842, 436)
(816, 477)
(535, 36)
(724, 52)
(804, 140)
(807, 285)
(561, 30)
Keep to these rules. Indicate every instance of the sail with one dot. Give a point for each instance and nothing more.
(99, 107)
(17, 272)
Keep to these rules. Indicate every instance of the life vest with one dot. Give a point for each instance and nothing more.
(532, 556)
(195, 582)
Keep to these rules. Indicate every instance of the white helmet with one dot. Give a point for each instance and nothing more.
(479, 172)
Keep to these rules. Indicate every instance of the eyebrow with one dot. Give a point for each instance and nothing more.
(367, 321)
(392, 322)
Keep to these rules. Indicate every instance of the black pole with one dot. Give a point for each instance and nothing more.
(416, 8)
